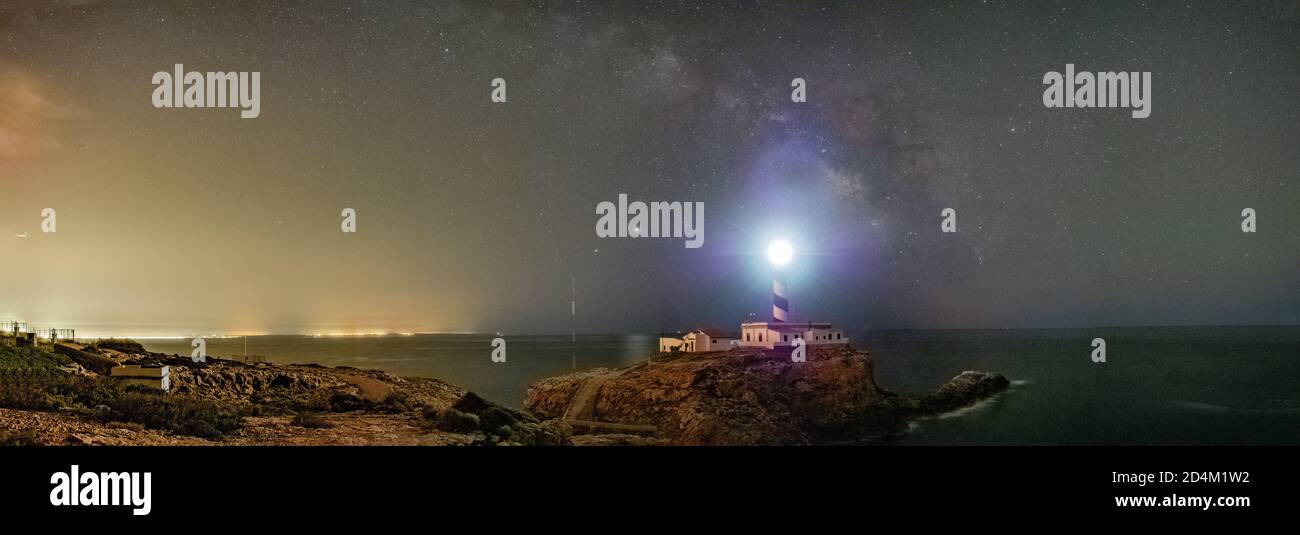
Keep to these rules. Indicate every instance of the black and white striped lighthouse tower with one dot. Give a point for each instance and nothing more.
(779, 253)
(780, 304)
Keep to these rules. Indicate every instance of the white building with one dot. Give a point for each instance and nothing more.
(701, 340)
(774, 334)
(152, 376)
(668, 344)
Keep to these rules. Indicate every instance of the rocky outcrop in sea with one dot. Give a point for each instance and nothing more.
(749, 397)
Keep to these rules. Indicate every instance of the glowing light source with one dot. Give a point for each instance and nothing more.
(779, 253)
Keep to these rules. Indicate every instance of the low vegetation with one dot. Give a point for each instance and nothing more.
(29, 359)
(494, 424)
(108, 401)
(214, 400)
(121, 345)
(180, 414)
(452, 420)
(335, 401)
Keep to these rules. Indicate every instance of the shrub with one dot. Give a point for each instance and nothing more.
(396, 403)
(122, 345)
(177, 413)
(314, 401)
(29, 359)
(496, 417)
(45, 391)
(345, 402)
(548, 433)
(107, 400)
(453, 421)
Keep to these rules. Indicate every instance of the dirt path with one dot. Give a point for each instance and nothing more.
(584, 402)
(370, 389)
(579, 412)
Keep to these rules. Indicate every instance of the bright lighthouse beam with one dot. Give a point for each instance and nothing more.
(779, 253)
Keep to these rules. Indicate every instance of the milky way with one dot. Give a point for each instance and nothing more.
(474, 215)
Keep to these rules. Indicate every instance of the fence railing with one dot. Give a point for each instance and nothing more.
(13, 327)
(19, 329)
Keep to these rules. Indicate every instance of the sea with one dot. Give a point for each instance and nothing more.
(1158, 385)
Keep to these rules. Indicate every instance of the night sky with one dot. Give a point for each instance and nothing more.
(478, 216)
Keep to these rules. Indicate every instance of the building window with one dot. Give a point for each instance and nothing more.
(785, 338)
(746, 336)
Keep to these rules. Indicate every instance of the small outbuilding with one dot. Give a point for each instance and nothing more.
(701, 340)
(152, 376)
(669, 344)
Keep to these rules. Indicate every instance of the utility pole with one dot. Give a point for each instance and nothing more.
(573, 330)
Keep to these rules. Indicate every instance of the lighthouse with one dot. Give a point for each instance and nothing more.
(779, 254)
(780, 331)
(780, 304)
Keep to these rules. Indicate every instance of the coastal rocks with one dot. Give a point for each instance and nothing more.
(748, 397)
(962, 390)
(238, 382)
(359, 406)
(551, 397)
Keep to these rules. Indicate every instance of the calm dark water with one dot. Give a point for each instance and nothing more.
(1168, 385)
(461, 359)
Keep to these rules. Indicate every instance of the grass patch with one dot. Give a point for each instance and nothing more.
(29, 359)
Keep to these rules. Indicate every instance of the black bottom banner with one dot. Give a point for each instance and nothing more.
(322, 485)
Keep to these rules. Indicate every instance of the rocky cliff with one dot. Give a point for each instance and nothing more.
(750, 397)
